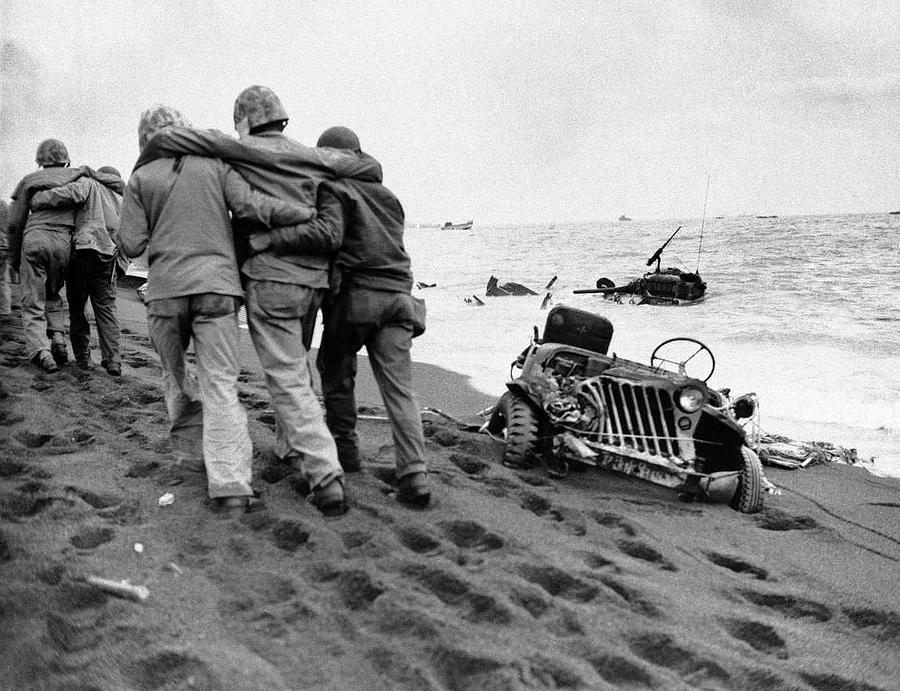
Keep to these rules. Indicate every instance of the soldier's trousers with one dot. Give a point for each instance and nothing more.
(45, 256)
(276, 315)
(382, 322)
(205, 416)
(5, 288)
(92, 275)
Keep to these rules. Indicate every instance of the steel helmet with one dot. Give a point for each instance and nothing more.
(109, 170)
(51, 152)
(156, 118)
(259, 105)
(339, 138)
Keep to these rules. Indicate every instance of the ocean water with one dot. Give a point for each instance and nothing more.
(804, 311)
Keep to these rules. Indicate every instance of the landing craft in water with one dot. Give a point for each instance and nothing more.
(449, 225)
(669, 286)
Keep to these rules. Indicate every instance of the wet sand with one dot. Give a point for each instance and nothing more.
(509, 580)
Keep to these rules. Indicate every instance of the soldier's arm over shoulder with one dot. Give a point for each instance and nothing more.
(323, 235)
(70, 194)
(250, 205)
(134, 228)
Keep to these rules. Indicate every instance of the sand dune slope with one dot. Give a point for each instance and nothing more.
(509, 580)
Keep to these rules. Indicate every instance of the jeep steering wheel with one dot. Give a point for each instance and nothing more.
(679, 352)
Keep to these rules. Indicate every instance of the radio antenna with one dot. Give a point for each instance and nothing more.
(702, 223)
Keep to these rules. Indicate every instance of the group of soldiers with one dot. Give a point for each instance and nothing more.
(60, 233)
(287, 230)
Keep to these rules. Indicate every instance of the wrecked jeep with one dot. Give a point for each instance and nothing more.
(574, 403)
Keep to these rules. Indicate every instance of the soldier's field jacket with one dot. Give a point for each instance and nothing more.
(276, 165)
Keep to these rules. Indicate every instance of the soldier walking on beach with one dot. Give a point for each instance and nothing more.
(284, 291)
(177, 210)
(39, 248)
(369, 305)
(93, 263)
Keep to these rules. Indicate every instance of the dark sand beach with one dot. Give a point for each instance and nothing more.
(508, 580)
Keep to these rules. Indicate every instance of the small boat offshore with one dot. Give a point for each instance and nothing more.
(457, 226)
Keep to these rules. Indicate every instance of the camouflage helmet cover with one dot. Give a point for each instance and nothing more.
(51, 152)
(157, 118)
(339, 137)
(259, 105)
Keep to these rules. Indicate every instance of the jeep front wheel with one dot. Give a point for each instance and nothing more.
(521, 432)
(749, 495)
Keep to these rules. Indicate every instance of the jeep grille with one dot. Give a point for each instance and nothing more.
(639, 418)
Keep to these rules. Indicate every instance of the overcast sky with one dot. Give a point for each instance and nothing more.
(496, 111)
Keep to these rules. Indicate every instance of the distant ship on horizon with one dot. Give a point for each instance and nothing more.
(449, 225)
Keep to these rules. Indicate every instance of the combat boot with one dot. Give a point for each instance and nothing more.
(413, 490)
(330, 498)
(58, 348)
(45, 361)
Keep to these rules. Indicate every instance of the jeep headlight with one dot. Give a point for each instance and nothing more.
(690, 398)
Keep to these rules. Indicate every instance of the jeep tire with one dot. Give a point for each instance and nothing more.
(521, 431)
(748, 498)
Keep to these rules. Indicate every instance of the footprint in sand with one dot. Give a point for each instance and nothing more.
(418, 541)
(468, 463)
(289, 534)
(8, 418)
(98, 501)
(146, 395)
(559, 583)
(471, 535)
(454, 591)
(644, 552)
(138, 361)
(827, 682)
(142, 468)
(33, 487)
(619, 671)
(69, 637)
(758, 636)
(22, 505)
(92, 538)
(773, 519)
(397, 667)
(538, 505)
(398, 620)
(660, 649)
(74, 597)
(598, 561)
(554, 674)
(170, 669)
(33, 440)
(11, 468)
(460, 669)
(442, 437)
(878, 623)
(737, 565)
(531, 601)
(789, 605)
(635, 600)
(357, 590)
(615, 521)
